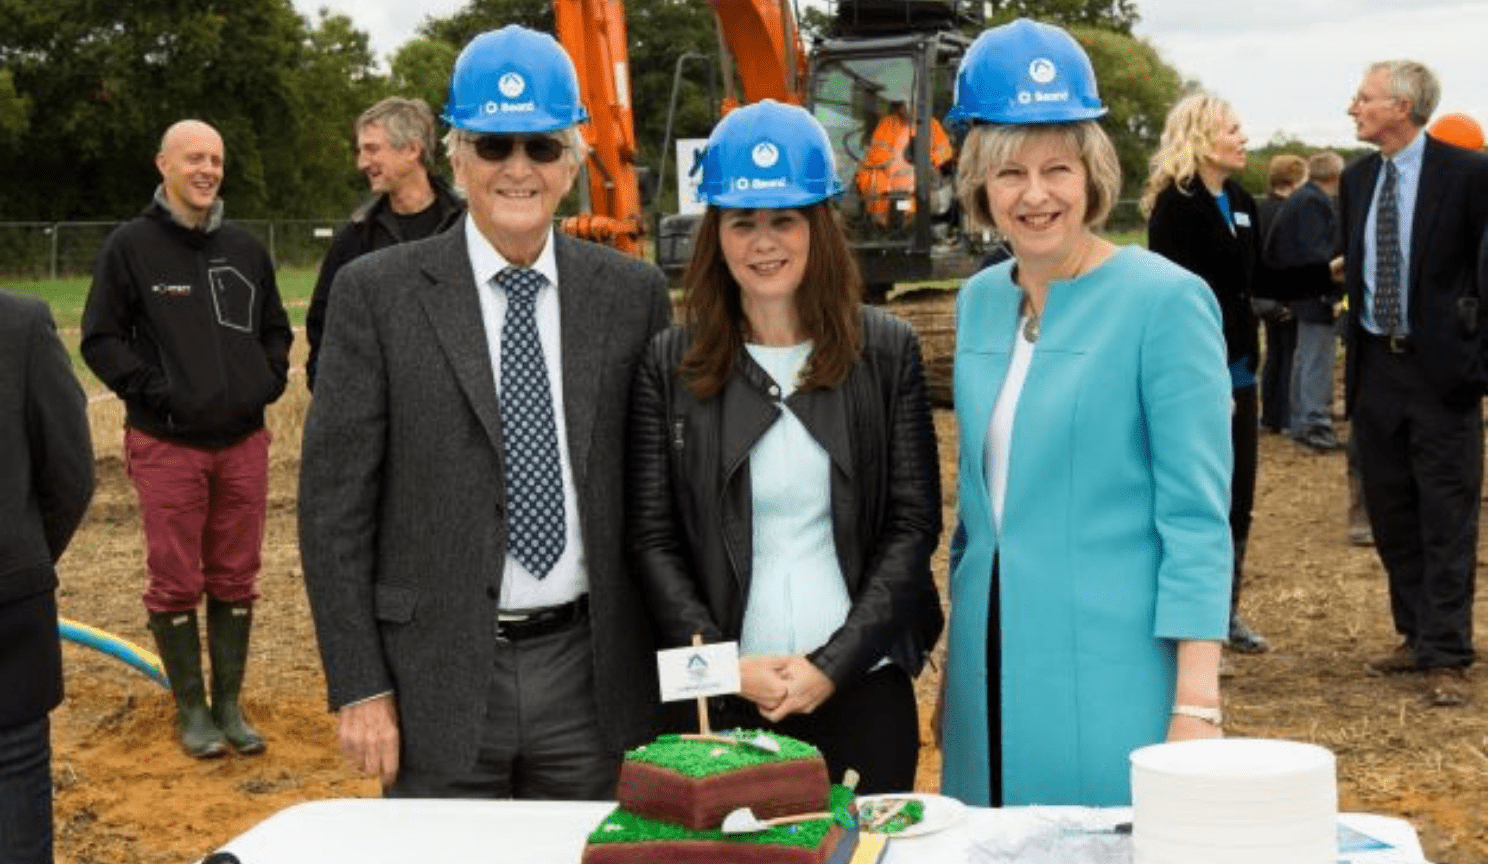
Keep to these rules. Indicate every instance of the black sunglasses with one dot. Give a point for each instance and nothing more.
(498, 148)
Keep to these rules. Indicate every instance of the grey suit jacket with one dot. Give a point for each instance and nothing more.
(402, 503)
(46, 479)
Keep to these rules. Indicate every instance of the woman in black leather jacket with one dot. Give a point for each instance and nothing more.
(784, 489)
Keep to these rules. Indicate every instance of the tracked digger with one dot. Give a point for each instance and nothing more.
(877, 79)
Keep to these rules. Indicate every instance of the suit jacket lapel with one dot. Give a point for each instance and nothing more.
(1429, 193)
(584, 302)
(453, 307)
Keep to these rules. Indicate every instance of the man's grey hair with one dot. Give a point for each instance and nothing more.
(1408, 79)
(405, 121)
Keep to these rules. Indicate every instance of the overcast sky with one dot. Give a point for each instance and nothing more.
(1287, 65)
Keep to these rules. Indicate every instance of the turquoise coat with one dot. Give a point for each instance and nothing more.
(1115, 540)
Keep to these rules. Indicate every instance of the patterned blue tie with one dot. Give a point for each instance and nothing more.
(1387, 254)
(534, 482)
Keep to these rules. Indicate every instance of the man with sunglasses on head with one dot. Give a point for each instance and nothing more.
(461, 487)
(395, 150)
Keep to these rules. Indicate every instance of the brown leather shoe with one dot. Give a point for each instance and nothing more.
(1446, 688)
(1397, 662)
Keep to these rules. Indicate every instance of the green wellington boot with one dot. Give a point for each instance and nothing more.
(228, 625)
(177, 639)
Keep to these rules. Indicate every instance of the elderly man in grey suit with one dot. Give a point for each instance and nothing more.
(46, 474)
(460, 495)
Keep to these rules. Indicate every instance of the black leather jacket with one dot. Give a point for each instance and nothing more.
(690, 506)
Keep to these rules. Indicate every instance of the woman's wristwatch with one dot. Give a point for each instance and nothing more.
(1213, 716)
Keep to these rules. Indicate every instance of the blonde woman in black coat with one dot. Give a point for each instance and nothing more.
(1204, 221)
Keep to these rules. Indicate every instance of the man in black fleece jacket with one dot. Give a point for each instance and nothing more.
(395, 149)
(184, 323)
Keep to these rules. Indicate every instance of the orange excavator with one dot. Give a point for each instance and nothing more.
(593, 32)
(876, 56)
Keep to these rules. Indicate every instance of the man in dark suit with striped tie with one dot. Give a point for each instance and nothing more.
(1413, 216)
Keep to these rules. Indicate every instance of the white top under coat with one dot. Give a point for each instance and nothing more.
(797, 596)
(1000, 429)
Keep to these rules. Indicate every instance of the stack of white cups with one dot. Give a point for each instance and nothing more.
(1234, 801)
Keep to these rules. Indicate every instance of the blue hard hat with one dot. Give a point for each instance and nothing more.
(1025, 72)
(514, 80)
(768, 154)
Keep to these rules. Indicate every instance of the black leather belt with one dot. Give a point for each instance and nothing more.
(532, 623)
(1397, 345)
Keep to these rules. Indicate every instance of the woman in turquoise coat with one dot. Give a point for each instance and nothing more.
(1090, 571)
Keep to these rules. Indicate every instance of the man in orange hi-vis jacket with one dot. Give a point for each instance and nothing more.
(887, 172)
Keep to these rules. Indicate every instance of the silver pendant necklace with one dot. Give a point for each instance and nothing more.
(1031, 327)
(1030, 320)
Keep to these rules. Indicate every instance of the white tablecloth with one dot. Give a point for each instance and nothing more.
(378, 831)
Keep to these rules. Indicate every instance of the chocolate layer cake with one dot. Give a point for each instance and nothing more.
(695, 784)
(627, 838)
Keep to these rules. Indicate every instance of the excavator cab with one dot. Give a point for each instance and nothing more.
(881, 96)
(879, 80)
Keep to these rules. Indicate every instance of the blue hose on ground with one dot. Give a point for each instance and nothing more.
(119, 649)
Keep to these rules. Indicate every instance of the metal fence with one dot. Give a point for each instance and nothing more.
(53, 250)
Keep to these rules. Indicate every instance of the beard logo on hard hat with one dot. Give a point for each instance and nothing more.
(511, 85)
(765, 154)
(1042, 70)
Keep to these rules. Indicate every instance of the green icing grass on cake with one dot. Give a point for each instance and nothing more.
(623, 826)
(706, 758)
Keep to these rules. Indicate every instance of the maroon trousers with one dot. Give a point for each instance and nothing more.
(203, 513)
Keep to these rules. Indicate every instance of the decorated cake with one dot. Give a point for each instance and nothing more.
(706, 799)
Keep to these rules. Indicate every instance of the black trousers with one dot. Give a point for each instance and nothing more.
(1422, 466)
(871, 725)
(1242, 481)
(26, 793)
(1276, 373)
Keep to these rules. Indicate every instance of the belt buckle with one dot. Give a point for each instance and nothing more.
(1395, 343)
(503, 620)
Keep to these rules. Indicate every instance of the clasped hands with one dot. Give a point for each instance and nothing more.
(782, 684)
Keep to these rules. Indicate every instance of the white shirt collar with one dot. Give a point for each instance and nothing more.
(486, 262)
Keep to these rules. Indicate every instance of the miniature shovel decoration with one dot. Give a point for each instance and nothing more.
(759, 742)
(743, 821)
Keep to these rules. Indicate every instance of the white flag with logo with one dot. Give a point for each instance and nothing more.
(698, 670)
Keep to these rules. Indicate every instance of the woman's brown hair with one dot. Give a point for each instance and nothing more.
(827, 302)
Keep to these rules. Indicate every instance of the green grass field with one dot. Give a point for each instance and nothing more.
(67, 296)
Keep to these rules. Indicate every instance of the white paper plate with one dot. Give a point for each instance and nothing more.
(940, 811)
(1215, 758)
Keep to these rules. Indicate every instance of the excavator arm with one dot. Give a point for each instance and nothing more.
(762, 39)
(759, 35)
(593, 32)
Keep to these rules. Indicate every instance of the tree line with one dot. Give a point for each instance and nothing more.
(87, 87)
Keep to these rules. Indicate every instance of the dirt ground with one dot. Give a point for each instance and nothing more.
(125, 794)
